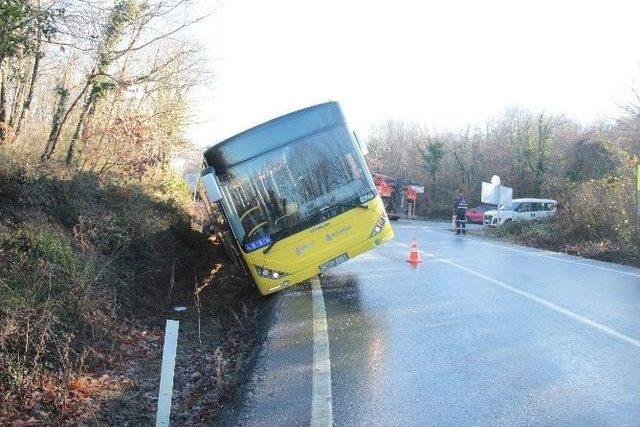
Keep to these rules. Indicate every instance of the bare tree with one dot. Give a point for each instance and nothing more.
(629, 122)
(134, 46)
(23, 24)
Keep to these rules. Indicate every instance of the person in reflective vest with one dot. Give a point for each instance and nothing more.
(460, 212)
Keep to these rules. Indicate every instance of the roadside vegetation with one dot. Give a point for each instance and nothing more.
(588, 169)
(89, 269)
(99, 237)
(552, 236)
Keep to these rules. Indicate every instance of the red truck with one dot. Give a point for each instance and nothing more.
(399, 197)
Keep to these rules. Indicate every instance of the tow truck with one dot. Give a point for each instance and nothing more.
(398, 195)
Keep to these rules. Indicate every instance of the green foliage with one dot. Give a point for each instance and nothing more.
(78, 254)
(596, 218)
(22, 24)
(44, 245)
(539, 233)
(100, 86)
(602, 209)
(432, 155)
(51, 303)
(109, 233)
(537, 151)
(436, 212)
(169, 184)
(592, 159)
(56, 120)
(123, 14)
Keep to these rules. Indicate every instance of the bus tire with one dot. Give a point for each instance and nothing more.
(247, 282)
(207, 229)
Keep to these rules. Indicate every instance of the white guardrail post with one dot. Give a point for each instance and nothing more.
(166, 376)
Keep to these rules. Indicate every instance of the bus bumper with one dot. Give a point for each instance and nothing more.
(267, 286)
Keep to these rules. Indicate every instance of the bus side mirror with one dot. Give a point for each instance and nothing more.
(362, 145)
(211, 186)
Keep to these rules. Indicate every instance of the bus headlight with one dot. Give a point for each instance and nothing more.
(269, 274)
(378, 227)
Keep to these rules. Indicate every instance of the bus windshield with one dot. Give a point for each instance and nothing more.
(294, 186)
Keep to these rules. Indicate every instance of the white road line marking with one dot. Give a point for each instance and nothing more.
(321, 404)
(551, 255)
(539, 300)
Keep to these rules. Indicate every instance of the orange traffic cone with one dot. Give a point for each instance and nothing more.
(414, 255)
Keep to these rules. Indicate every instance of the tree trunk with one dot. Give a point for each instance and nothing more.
(56, 123)
(71, 152)
(18, 94)
(3, 102)
(54, 136)
(27, 102)
(84, 137)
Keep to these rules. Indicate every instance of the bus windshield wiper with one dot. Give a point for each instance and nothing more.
(268, 248)
(353, 205)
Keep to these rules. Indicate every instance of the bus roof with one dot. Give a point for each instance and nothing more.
(274, 133)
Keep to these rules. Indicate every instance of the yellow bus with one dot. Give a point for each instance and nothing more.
(293, 197)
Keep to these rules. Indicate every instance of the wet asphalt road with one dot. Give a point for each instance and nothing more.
(480, 333)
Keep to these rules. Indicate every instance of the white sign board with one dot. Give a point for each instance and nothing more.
(491, 193)
(417, 188)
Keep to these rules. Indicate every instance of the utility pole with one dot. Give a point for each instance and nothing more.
(495, 180)
(638, 187)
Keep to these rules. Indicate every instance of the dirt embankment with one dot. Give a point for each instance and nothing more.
(89, 272)
(220, 334)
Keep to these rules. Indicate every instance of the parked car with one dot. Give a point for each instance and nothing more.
(521, 210)
(476, 215)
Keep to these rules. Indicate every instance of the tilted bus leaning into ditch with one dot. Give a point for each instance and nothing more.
(293, 197)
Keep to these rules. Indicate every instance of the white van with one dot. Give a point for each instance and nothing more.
(521, 210)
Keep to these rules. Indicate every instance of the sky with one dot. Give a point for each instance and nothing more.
(444, 64)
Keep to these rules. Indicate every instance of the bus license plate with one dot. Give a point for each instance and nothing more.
(333, 262)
